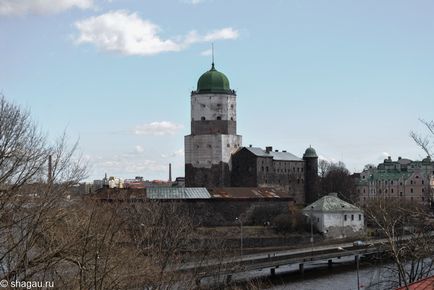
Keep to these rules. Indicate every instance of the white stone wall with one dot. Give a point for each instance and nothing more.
(211, 106)
(204, 150)
(327, 221)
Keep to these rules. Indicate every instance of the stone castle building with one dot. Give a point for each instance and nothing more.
(405, 179)
(213, 135)
(255, 167)
(214, 156)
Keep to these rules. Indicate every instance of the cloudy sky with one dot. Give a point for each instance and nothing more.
(350, 78)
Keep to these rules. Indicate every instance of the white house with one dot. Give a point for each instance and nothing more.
(334, 217)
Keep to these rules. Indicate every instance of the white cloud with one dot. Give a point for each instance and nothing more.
(383, 155)
(225, 33)
(126, 33)
(157, 128)
(139, 149)
(177, 153)
(22, 7)
(207, 52)
(117, 164)
(328, 159)
(194, 2)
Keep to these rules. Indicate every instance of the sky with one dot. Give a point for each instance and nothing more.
(350, 78)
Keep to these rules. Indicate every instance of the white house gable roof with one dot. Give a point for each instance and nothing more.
(331, 203)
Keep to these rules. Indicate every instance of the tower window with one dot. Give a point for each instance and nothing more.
(219, 118)
(232, 118)
(202, 118)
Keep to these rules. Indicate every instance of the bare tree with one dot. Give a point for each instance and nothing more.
(30, 207)
(337, 178)
(408, 234)
(425, 142)
(23, 149)
(323, 167)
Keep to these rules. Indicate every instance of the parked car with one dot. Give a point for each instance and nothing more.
(359, 243)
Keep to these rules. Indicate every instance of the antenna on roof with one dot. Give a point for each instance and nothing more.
(212, 53)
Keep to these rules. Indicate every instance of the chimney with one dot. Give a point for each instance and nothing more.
(50, 169)
(170, 172)
(268, 149)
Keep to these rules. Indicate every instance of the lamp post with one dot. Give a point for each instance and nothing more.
(241, 235)
(311, 229)
(357, 266)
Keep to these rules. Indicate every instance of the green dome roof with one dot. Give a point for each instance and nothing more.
(213, 81)
(310, 153)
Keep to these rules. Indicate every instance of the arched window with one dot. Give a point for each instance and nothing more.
(219, 118)
(202, 118)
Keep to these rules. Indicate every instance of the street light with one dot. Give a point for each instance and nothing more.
(311, 228)
(357, 257)
(241, 235)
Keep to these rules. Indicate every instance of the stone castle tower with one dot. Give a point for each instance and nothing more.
(311, 185)
(213, 135)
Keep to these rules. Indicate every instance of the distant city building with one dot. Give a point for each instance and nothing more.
(404, 179)
(334, 217)
(134, 183)
(179, 182)
(214, 156)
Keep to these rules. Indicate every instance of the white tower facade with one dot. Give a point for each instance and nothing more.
(213, 137)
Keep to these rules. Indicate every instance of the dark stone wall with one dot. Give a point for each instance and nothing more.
(223, 212)
(216, 176)
(311, 179)
(206, 127)
(249, 170)
(244, 169)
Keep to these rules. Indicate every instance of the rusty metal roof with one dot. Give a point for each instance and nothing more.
(424, 284)
(247, 192)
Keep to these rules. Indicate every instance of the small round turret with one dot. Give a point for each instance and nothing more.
(310, 153)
